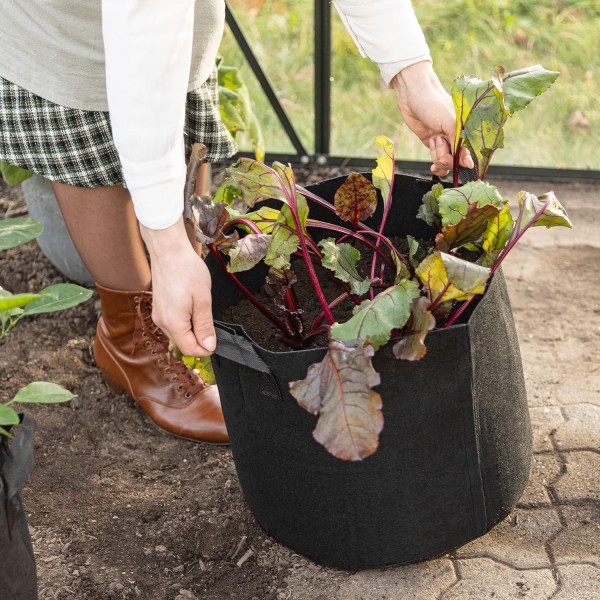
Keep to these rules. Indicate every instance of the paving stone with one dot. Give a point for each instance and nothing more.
(519, 540)
(579, 582)
(585, 381)
(544, 421)
(581, 429)
(579, 540)
(483, 579)
(541, 385)
(582, 479)
(545, 469)
(422, 581)
(540, 392)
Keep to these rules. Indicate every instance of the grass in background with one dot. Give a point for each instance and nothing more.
(560, 129)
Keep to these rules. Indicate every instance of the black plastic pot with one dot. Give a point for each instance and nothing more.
(455, 450)
(18, 578)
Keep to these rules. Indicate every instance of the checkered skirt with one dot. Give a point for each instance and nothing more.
(76, 146)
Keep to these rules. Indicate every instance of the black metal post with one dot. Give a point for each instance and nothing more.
(322, 58)
(240, 38)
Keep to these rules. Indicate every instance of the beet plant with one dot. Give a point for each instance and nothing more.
(407, 288)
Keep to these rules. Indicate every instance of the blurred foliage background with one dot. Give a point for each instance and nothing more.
(561, 128)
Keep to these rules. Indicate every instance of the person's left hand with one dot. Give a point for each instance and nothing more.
(428, 111)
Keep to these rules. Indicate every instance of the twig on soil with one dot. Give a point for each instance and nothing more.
(247, 555)
(239, 547)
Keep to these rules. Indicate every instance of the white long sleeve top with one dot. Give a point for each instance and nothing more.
(148, 46)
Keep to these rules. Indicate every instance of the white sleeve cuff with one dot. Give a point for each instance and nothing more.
(156, 188)
(390, 70)
(385, 31)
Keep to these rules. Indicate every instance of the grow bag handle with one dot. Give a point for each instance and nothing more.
(238, 348)
(18, 461)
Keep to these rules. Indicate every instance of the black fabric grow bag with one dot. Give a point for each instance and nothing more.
(18, 578)
(455, 450)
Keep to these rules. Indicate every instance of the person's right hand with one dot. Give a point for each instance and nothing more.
(182, 303)
(428, 111)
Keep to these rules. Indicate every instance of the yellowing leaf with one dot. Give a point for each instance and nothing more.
(494, 238)
(383, 173)
(448, 277)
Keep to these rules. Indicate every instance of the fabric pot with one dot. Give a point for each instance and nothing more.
(18, 578)
(455, 450)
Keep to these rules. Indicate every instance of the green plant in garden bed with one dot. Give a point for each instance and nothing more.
(14, 307)
(400, 295)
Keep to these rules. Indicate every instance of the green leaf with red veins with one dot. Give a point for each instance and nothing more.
(402, 270)
(231, 195)
(284, 239)
(286, 174)
(454, 203)
(356, 199)
(416, 253)
(494, 238)
(482, 108)
(554, 215)
(429, 211)
(468, 229)
(339, 390)
(411, 346)
(257, 181)
(480, 118)
(250, 250)
(383, 172)
(447, 277)
(208, 220)
(522, 86)
(342, 259)
(375, 319)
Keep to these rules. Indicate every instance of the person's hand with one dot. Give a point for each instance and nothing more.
(182, 303)
(428, 111)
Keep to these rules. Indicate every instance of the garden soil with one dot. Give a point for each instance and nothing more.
(119, 510)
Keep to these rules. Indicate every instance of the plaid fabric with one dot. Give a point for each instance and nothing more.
(76, 146)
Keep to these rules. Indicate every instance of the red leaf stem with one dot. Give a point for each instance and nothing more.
(242, 288)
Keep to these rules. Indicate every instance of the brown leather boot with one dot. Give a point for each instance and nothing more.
(133, 354)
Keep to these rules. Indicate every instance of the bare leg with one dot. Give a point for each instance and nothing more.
(103, 227)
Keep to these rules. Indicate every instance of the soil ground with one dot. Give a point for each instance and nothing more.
(118, 510)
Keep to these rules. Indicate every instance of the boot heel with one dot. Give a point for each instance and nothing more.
(113, 386)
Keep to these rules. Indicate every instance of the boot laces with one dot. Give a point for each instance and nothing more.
(187, 380)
